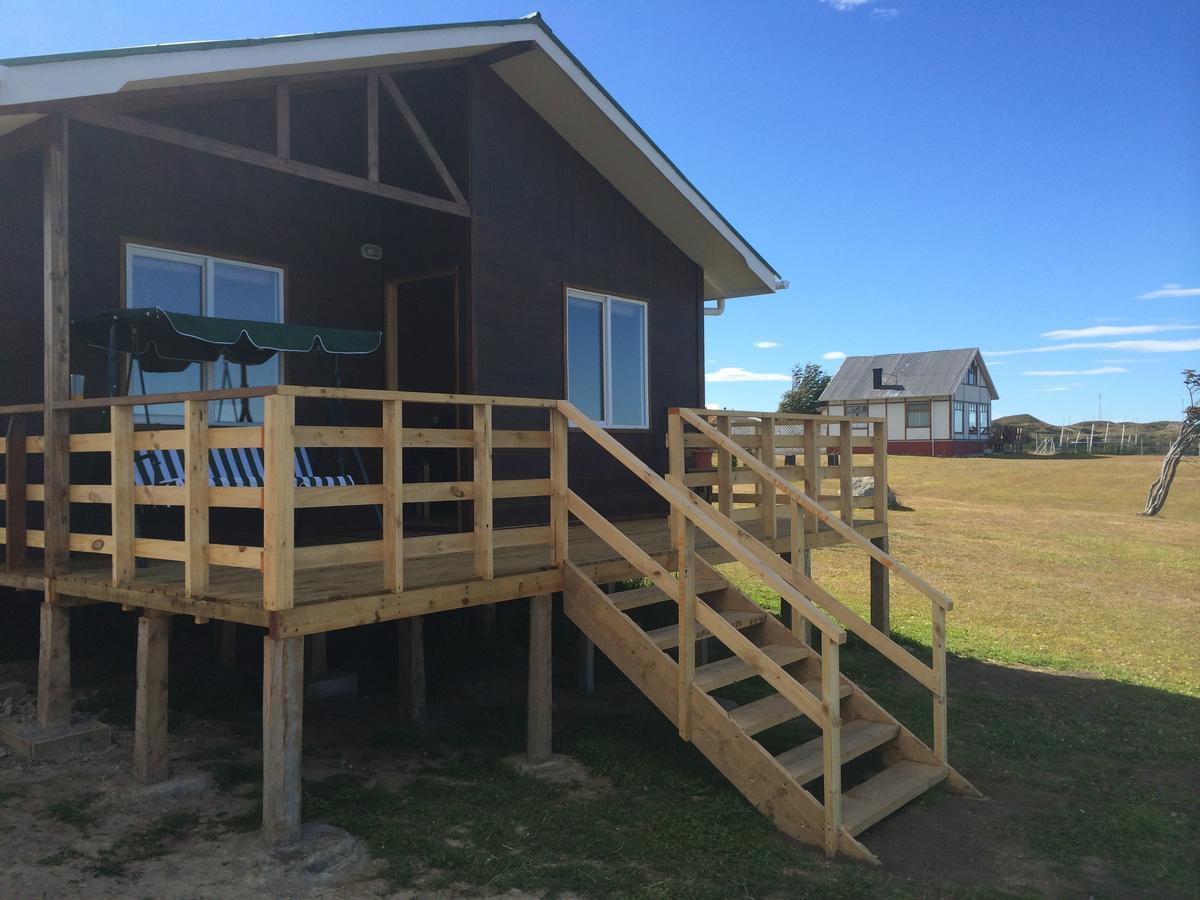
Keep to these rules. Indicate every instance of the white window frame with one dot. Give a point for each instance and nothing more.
(958, 417)
(607, 301)
(208, 264)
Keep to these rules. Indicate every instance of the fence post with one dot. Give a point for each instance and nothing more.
(685, 549)
(880, 464)
(812, 470)
(393, 495)
(800, 625)
(724, 471)
(558, 485)
(938, 642)
(195, 425)
(484, 561)
(766, 453)
(15, 481)
(279, 503)
(831, 699)
(846, 470)
(121, 463)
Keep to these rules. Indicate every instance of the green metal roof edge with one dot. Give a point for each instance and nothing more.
(535, 19)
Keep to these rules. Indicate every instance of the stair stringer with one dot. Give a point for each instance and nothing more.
(859, 704)
(741, 759)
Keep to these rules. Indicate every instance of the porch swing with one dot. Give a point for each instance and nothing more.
(168, 342)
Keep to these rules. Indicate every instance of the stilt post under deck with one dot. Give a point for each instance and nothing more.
(540, 715)
(412, 670)
(151, 763)
(54, 664)
(283, 717)
(881, 591)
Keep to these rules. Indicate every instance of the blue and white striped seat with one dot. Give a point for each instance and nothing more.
(227, 467)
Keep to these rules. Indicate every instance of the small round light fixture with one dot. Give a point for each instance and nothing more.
(371, 251)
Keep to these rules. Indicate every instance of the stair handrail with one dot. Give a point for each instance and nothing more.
(813, 506)
(730, 542)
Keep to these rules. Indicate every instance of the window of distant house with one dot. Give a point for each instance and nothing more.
(973, 374)
(959, 414)
(859, 410)
(985, 416)
(203, 286)
(916, 414)
(607, 359)
(973, 418)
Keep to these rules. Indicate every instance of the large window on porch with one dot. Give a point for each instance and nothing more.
(607, 359)
(202, 285)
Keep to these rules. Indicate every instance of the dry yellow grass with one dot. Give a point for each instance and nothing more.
(1048, 562)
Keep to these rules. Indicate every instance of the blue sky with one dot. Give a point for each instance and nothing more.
(926, 173)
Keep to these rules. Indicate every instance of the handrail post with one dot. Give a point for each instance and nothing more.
(685, 551)
(812, 470)
(801, 627)
(279, 502)
(393, 495)
(558, 485)
(766, 453)
(938, 643)
(724, 471)
(484, 558)
(846, 470)
(121, 464)
(879, 451)
(195, 425)
(831, 699)
(15, 481)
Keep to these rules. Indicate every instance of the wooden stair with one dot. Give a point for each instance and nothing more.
(774, 783)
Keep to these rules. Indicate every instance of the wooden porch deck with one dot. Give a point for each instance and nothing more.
(354, 593)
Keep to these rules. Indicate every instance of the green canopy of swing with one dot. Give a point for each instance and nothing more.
(170, 341)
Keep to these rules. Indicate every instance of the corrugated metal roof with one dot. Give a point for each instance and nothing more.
(934, 373)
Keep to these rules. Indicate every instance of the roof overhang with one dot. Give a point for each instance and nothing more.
(549, 78)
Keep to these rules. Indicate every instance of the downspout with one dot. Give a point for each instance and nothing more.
(713, 310)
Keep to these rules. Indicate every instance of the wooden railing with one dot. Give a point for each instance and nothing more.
(823, 453)
(933, 677)
(278, 557)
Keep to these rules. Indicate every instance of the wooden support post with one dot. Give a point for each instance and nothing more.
(124, 566)
(279, 502)
(812, 471)
(724, 472)
(56, 371)
(558, 486)
(846, 471)
(766, 453)
(195, 485)
(881, 590)
(484, 563)
(799, 556)
(676, 468)
(685, 553)
(151, 762)
(54, 664)
(412, 670)
(227, 637)
(15, 480)
(880, 465)
(541, 698)
(283, 120)
(283, 717)
(938, 665)
(373, 127)
(832, 742)
(585, 672)
(393, 495)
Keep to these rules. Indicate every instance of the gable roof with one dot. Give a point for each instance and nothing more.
(934, 373)
(549, 78)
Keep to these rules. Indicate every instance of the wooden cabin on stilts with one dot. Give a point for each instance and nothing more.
(531, 427)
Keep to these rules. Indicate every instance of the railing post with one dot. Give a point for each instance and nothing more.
(558, 485)
(800, 625)
(121, 463)
(393, 495)
(766, 452)
(938, 642)
(279, 502)
(879, 451)
(724, 471)
(195, 426)
(685, 550)
(812, 470)
(484, 562)
(846, 470)
(832, 743)
(15, 480)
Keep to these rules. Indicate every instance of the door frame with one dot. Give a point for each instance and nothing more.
(391, 320)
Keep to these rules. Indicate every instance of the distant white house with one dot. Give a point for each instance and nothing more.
(937, 403)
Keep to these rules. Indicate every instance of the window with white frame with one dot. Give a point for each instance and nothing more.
(607, 375)
(973, 374)
(985, 419)
(916, 414)
(973, 419)
(959, 417)
(203, 285)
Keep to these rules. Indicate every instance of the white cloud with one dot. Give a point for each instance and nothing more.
(1063, 334)
(712, 405)
(766, 345)
(1170, 290)
(1103, 370)
(846, 5)
(1148, 346)
(834, 354)
(884, 13)
(735, 374)
(1056, 388)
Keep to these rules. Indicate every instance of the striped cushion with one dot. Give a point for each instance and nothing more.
(227, 467)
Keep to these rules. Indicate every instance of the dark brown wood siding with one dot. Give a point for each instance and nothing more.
(545, 218)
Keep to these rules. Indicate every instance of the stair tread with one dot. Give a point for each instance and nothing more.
(807, 762)
(882, 795)
(635, 598)
(776, 709)
(732, 670)
(668, 636)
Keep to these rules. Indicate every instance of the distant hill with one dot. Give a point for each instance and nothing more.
(1153, 437)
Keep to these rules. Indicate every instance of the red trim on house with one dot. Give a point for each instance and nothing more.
(936, 448)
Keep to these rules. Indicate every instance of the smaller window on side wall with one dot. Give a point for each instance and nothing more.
(916, 414)
(607, 358)
(959, 416)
